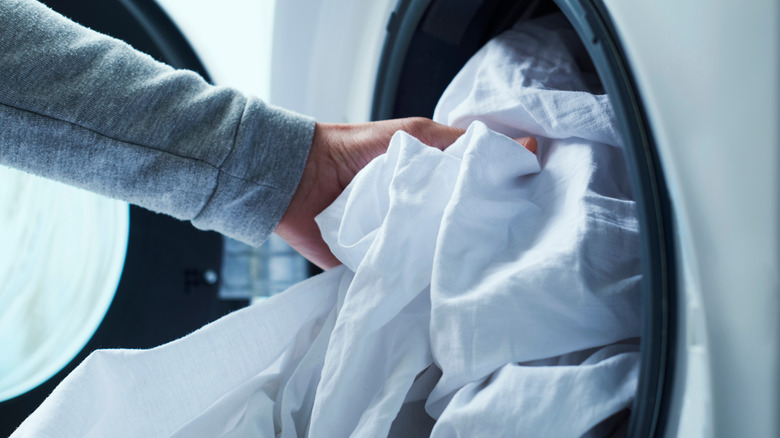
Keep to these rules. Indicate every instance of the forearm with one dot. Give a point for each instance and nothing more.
(90, 111)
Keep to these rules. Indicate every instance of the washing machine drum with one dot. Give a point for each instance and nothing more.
(428, 43)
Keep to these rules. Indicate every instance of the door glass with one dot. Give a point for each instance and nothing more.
(61, 257)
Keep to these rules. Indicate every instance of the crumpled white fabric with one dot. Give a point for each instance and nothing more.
(231, 378)
(484, 287)
(557, 263)
(536, 80)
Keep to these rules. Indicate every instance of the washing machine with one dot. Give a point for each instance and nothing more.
(696, 89)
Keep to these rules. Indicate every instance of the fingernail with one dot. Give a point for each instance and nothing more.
(528, 143)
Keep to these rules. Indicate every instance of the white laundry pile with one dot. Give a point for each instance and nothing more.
(490, 289)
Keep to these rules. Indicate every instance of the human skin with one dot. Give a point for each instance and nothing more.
(337, 154)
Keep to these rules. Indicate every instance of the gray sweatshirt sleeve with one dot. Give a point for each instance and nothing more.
(88, 110)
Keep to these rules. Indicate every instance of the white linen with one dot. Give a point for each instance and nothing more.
(531, 80)
(480, 288)
(557, 263)
(564, 400)
(392, 239)
(221, 380)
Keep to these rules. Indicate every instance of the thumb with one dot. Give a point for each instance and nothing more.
(528, 143)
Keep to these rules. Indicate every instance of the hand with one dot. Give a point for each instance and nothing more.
(338, 152)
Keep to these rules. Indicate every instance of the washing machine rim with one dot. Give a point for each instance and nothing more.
(592, 22)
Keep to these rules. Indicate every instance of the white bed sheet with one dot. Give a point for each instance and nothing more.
(484, 287)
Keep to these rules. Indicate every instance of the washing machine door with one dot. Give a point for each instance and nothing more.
(688, 95)
(155, 278)
(701, 148)
(712, 101)
(438, 38)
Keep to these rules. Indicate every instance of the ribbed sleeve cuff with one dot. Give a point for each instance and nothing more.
(258, 178)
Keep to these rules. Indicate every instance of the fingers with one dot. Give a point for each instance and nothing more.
(431, 133)
(528, 143)
(441, 136)
(446, 136)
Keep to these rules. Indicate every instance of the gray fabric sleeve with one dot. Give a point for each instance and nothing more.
(88, 110)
